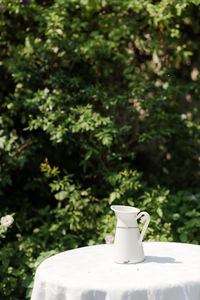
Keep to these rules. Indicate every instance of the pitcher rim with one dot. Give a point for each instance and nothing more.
(125, 209)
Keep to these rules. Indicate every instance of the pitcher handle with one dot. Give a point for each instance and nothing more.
(147, 216)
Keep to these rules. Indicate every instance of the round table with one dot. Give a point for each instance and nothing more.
(171, 271)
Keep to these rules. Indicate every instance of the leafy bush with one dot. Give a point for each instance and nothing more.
(99, 106)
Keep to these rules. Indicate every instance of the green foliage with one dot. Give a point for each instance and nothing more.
(99, 106)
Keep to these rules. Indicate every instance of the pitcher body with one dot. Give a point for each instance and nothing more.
(128, 239)
(127, 248)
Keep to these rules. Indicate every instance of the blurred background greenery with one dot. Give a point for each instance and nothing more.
(99, 105)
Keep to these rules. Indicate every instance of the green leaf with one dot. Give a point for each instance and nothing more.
(184, 237)
(196, 2)
(159, 212)
(112, 197)
(2, 141)
(61, 195)
(176, 216)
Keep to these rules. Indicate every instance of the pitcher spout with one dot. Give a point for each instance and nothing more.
(126, 216)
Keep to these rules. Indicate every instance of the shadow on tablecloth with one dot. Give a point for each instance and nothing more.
(161, 260)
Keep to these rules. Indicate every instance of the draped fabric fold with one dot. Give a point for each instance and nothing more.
(170, 271)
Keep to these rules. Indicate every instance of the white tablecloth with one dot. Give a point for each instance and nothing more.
(171, 271)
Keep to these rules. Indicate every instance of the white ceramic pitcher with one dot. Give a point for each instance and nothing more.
(128, 239)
